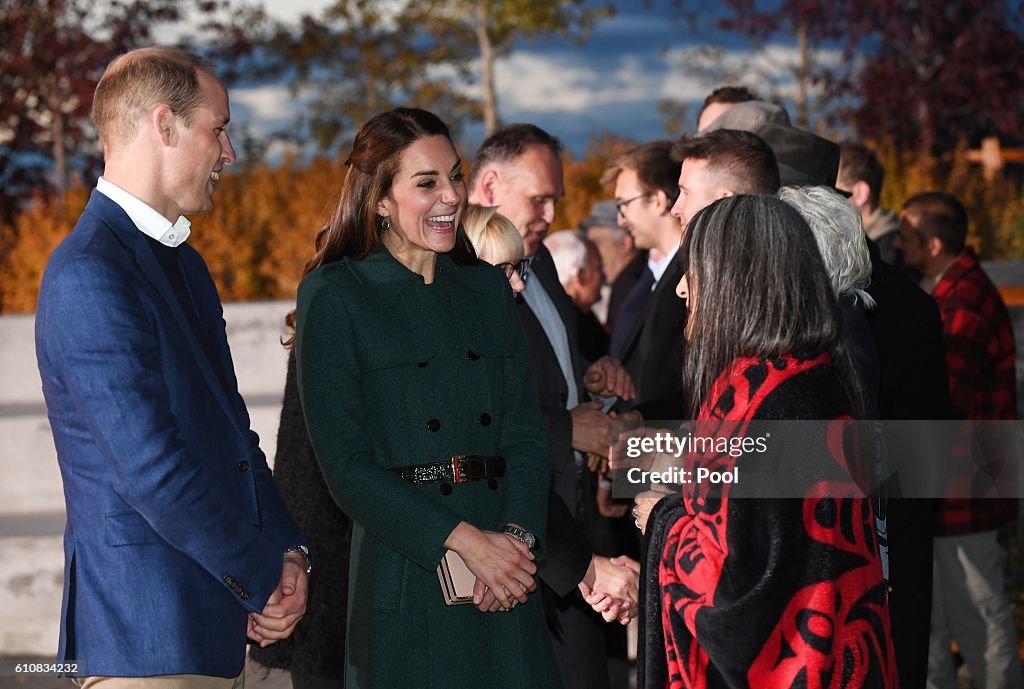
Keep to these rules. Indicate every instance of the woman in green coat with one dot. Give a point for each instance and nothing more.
(409, 355)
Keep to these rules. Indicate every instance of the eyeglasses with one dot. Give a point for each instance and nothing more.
(507, 268)
(619, 205)
(522, 267)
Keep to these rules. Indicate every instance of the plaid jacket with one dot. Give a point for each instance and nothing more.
(981, 361)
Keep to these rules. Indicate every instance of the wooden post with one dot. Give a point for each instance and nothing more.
(993, 157)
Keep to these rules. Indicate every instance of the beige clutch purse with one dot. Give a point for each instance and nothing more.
(456, 579)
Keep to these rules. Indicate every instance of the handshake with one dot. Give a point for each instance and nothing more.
(611, 587)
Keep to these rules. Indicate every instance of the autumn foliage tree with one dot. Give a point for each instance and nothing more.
(52, 53)
(494, 27)
(360, 57)
(939, 73)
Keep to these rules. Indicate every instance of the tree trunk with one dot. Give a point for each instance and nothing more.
(483, 39)
(803, 71)
(60, 171)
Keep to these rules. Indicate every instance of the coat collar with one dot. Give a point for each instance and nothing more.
(965, 263)
(390, 281)
(667, 283)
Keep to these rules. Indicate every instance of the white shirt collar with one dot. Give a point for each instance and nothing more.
(149, 221)
(659, 267)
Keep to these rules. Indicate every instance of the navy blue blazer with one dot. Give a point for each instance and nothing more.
(175, 531)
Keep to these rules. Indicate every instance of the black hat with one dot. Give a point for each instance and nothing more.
(804, 159)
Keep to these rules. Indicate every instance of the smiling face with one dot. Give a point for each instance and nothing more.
(428, 196)
(526, 190)
(202, 149)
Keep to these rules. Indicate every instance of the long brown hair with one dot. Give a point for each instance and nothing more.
(355, 228)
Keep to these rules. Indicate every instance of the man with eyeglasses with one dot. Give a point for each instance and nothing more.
(647, 331)
(519, 170)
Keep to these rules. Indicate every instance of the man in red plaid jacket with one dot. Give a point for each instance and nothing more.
(969, 602)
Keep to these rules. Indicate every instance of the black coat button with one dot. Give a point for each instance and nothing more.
(433, 425)
(485, 419)
(472, 356)
(243, 465)
(422, 364)
(492, 484)
(446, 489)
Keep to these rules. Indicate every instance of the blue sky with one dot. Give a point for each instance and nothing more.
(612, 82)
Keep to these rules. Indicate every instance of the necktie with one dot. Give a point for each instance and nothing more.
(630, 312)
(524, 268)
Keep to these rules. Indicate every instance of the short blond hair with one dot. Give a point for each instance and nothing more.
(139, 80)
(493, 234)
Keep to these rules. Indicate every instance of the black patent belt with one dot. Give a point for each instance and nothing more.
(457, 469)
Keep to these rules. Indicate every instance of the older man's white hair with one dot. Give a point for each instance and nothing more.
(839, 232)
(569, 252)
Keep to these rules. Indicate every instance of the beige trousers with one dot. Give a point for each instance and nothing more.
(163, 682)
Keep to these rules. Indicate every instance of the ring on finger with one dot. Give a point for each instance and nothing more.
(634, 511)
(636, 523)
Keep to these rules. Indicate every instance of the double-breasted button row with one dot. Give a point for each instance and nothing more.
(434, 425)
(446, 488)
(236, 587)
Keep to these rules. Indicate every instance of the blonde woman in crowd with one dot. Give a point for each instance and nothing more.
(496, 241)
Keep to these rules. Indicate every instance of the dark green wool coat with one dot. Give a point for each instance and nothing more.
(394, 372)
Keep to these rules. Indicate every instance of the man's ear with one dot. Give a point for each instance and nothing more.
(165, 125)
(724, 193)
(661, 203)
(487, 185)
(934, 246)
(859, 194)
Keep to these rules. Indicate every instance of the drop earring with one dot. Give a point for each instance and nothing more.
(385, 224)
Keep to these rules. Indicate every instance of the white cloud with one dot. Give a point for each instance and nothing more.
(539, 83)
(266, 106)
(291, 10)
(772, 67)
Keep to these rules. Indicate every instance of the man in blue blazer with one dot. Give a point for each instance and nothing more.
(177, 544)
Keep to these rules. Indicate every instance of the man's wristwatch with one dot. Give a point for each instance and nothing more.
(304, 552)
(523, 535)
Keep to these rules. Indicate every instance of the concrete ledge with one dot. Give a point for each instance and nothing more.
(31, 581)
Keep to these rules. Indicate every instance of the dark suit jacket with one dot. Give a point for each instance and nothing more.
(624, 284)
(175, 530)
(907, 329)
(653, 350)
(569, 553)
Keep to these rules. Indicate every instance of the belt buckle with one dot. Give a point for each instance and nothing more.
(457, 470)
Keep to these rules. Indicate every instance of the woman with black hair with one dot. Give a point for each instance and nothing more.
(772, 592)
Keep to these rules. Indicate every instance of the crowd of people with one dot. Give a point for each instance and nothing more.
(460, 380)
